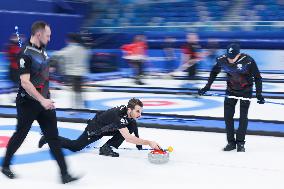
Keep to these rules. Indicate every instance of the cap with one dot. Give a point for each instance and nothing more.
(233, 50)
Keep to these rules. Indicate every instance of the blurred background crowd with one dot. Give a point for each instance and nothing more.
(135, 38)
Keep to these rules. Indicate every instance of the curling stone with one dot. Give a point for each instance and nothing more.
(158, 156)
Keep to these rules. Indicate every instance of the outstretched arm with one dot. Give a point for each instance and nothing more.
(133, 139)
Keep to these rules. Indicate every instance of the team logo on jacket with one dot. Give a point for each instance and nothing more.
(22, 63)
(239, 66)
(123, 121)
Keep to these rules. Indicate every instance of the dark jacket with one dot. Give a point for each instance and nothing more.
(111, 120)
(240, 75)
(33, 61)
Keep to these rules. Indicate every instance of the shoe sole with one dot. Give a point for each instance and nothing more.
(10, 176)
(74, 180)
(229, 150)
(241, 150)
(107, 155)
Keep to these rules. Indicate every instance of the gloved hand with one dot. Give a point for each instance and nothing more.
(139, 147)
(203, 90)
(260, 99)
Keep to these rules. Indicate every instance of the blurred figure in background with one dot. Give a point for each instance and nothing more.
(212, 46)
(190, 55)
(135, 54)
(76, 66)
(169, 52)
(13, 50)
(212, 52)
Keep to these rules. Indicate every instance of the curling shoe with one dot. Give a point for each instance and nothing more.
(230, 146)
(139, 82)
(68, 178)
(8, 173)
(106, 150)
(241, 147)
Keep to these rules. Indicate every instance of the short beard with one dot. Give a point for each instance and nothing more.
(42, 45)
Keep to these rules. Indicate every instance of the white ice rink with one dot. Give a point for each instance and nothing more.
(197, 162)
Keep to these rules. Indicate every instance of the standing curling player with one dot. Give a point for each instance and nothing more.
(33, 101)
(241, 71)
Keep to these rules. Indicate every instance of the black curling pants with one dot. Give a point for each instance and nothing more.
(28, 111)
(229, 111)
(138, 68)
(84, 140)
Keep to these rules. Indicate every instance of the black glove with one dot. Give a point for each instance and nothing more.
(139, 147)
(260, 99)
(203, 90)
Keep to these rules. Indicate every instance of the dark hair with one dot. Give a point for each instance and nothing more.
(74, 37)
(133, 102)
(38, 25)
